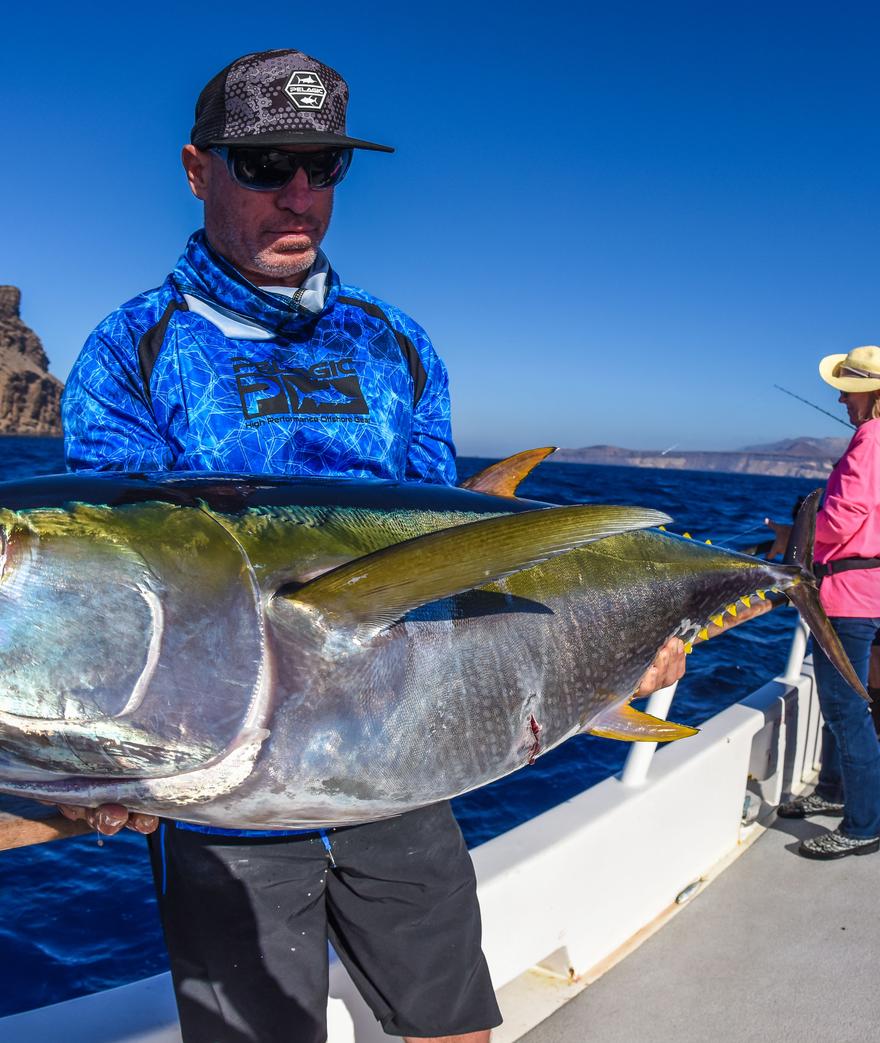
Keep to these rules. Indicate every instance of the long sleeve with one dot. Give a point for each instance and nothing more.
(431, 453)
(108, 423)
(853, 489)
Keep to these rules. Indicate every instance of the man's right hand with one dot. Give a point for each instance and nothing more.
(110, 818)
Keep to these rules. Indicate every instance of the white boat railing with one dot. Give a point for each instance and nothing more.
(567, 894)
(638, 760)
(797, 651)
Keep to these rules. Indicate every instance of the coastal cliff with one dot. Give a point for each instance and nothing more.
(793, 458)
(30, 397)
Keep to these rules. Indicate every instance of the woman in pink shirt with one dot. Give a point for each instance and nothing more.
(847, 563)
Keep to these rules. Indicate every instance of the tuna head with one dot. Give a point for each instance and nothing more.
(106, 651)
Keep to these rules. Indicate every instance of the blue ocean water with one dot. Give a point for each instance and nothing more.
(79, 915)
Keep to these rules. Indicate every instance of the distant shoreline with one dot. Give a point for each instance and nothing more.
(769, 460)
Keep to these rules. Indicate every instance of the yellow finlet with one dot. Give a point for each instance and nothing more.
(708, 543)
(746, 600)
(704, 634)
(731, 609)
(761, 595)
(687, 535)
(718, 620)
(688, 648)
(662, 528)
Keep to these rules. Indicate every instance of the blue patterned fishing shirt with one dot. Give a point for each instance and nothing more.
(211, 373)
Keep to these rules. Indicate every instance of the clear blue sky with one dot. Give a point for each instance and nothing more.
(619, 222)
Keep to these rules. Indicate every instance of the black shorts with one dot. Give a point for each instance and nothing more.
(247, 922)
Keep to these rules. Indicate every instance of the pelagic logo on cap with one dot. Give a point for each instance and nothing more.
(306, 90)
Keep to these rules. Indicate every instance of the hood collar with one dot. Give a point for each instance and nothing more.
(203, 273)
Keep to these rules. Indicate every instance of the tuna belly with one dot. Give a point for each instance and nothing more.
(436, 706)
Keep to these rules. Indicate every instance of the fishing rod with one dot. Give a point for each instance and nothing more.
(845, 423)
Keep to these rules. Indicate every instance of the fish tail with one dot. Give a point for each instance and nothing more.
(805, 598)
(804, 591)
(803, 533)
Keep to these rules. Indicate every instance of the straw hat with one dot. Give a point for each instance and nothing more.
(859, 370)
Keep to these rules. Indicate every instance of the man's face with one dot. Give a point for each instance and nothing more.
(271, 237)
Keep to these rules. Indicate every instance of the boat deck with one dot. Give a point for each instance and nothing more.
(777, 947)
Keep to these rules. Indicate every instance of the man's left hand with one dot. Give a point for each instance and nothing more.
(667, 668)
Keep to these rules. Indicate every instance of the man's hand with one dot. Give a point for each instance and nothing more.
(110, 818)
(667, 668)
(780, 538)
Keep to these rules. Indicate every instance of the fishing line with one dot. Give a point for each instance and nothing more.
(845, 423)
(745, 532)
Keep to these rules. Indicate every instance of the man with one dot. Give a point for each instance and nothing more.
(253, 357)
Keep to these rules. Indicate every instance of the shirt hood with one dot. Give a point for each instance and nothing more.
(202, 273)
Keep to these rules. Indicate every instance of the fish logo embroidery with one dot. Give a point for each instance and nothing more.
(306, 90)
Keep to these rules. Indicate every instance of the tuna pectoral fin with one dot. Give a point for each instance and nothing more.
(96, 748)
(374, 591)
(630, 725)
(805, 598)
(503, 478)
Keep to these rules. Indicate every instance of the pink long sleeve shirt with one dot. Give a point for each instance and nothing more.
(848, 526)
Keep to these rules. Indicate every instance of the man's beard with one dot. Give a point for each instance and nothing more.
(283, 268)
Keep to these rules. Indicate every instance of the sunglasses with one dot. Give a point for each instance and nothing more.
(268, 170)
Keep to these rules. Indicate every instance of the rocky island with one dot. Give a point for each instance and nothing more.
(30, 397)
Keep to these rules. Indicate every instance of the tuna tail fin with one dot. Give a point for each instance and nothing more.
(503, 478)
(805, 598)
(804, 593)
(376, 590)
(803, 533)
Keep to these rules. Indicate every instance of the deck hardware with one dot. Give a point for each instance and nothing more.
(688, 893)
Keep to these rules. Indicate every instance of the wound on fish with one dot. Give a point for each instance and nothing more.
(536, 745)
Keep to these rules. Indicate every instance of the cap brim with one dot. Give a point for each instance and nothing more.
(826, 371)
(286, 137)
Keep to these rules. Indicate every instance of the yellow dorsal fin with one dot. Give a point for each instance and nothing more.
(502, 479)
(629, 725)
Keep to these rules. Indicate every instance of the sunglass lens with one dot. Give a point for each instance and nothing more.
(256, 168)
(326, 169)
(267, 170)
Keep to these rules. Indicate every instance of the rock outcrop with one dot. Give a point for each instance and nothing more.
(30, 397)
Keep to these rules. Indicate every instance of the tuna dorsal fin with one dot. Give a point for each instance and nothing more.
(502, 479)
(631, 725)
(374, 591)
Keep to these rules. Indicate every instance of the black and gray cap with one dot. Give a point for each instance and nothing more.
(275, 98)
